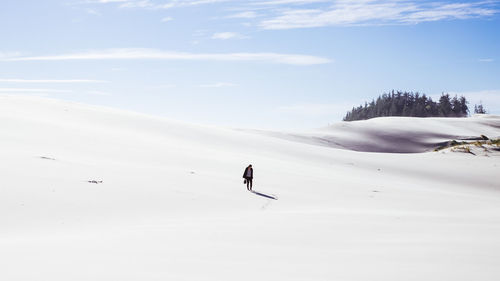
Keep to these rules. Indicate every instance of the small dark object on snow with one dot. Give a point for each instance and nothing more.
(483, 137)
(96, 182)
(46, 158)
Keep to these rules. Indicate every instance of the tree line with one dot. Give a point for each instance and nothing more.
(412, 104)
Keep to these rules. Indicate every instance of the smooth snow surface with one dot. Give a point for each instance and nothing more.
(172, 205)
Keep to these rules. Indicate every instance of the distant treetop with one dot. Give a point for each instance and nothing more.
(479, 109)
(410, 104)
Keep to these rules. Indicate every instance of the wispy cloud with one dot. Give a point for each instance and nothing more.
(290, 14)
(167, 19)
(101, 1)
(284, 2)
(156, 5)
(135, 53)
(375, 12)
(108, 1)
(218, 85)
(244, 15)
(93, 12)
(486, 60)
(439, 11)
(54, 81)
(228, 35)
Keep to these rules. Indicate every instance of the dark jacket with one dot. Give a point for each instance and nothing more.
(245, 173)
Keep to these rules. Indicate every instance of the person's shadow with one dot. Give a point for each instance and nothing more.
(264, 195)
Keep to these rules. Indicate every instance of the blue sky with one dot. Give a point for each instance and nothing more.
(266, 64)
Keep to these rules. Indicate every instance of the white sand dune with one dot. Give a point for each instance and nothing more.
(397, 134)
(172, 206)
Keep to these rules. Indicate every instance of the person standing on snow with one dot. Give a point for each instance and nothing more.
(248, 176)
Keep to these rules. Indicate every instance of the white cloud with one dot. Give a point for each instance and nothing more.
(137, 53)
(145, 4)
(289, 14)
(372, 12)
(228, 35)
(449, 11)
(486, 60)
(167, 19)
(283, 2)
(244, 15)
(201, 2)
(93, 12)
(50, 81)
(218, 85)
(106, 1)
(153, 5)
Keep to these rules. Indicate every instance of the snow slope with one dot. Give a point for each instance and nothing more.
(172, 206)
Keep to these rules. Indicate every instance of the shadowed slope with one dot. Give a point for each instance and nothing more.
(396, 134)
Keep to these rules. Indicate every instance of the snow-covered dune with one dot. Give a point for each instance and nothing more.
(172, 205)
(397, 134)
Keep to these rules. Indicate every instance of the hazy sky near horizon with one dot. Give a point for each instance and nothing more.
(265, 64)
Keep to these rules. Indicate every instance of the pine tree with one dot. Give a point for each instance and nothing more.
(463, 106)
(444, 106)
(456, 107)
(399, 103)
(479, 109)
